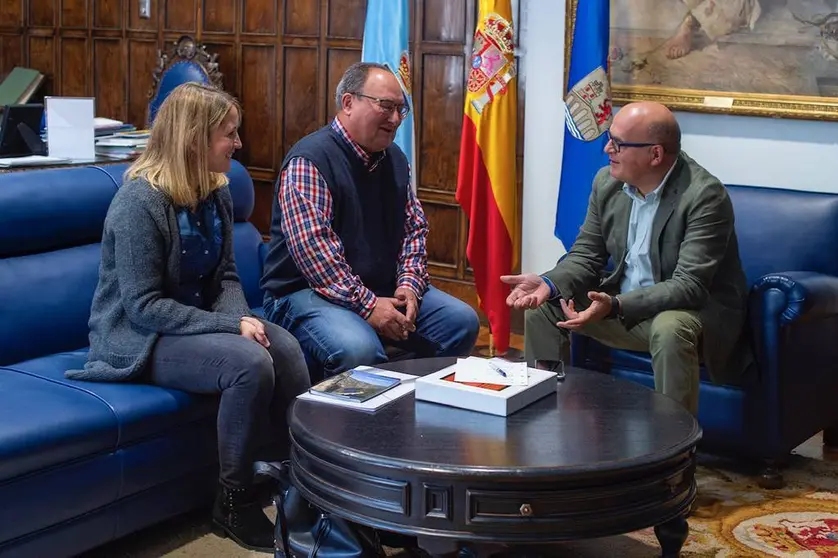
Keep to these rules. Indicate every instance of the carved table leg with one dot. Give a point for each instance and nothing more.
(671, 536)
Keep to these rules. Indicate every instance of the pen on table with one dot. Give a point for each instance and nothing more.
(497, 369)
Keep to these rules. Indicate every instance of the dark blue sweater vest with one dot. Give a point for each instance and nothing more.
(368, 214)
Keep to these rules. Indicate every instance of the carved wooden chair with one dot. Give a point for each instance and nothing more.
(185, 61)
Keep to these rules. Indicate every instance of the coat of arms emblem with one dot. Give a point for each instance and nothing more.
(588, 110)
(404, 71)
(492, 62)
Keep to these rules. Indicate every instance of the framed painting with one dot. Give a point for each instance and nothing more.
(776, 58)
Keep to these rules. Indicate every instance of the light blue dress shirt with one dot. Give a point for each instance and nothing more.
(638, 272)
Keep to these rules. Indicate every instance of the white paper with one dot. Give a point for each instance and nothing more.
(70, 127)
(406, 386)
(491, 371)
(100, 122)
(31, 161)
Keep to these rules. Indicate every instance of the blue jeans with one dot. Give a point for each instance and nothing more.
(256, 387)
(338, 339)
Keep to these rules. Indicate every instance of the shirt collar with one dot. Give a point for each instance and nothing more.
(654, 194)
(370, 160)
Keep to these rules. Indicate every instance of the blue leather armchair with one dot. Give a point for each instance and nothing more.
(83, 463)
(789, 248)
(185, 62)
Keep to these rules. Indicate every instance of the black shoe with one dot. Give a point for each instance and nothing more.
(238, 514)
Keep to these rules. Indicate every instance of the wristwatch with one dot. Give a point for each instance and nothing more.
(615, 308)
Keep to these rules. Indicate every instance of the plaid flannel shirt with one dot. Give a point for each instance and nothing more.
(306, 205)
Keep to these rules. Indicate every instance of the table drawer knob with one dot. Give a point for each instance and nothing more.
(526, 510)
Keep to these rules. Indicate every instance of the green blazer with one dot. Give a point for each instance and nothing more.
(694, 254)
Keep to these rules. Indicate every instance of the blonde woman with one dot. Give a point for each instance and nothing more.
(169, 308)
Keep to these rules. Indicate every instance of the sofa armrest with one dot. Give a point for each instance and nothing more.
(795, 296)
(793, 317)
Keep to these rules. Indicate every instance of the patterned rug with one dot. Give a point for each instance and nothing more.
(733, 518)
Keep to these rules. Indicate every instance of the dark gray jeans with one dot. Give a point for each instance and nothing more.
(255, 392)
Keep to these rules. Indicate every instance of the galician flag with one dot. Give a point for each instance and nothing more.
(486, 178)
(588, 115)
(385, 41)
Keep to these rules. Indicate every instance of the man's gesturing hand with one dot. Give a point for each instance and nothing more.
(599, 309)
(529, 291)
(388, 321)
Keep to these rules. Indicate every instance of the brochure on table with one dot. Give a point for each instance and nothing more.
(370, 405)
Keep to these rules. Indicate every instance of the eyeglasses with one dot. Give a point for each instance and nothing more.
(387, 106)
(618, 145)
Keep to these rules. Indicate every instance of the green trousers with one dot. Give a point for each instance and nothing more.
(672, 337)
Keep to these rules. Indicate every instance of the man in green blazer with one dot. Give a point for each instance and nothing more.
(676, 288)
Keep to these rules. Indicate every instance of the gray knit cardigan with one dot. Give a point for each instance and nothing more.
(140, 267)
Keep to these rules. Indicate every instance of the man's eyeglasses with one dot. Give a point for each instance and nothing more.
(618, 145)
(387, 106)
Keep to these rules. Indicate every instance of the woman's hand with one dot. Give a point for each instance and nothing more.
(252, 328)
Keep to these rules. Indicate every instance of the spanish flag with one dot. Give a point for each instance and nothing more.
(486, 178)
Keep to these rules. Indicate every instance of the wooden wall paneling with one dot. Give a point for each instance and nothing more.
(74, 68)
(11, 52)
(181, 16)
(74, 14)
(299, 89)
(346, 19)
(258, 95)
(109, 78)
(11, 16)
(219, 16)
(42, 57)
(227, 62)
(442, 119)
(260, 16)
(107, 14)
(443, 243)
(302, 18)
(445, 21)
(136, 23)
(41, 13)
(142, 58)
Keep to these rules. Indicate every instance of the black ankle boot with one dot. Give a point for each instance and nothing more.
(238, 514)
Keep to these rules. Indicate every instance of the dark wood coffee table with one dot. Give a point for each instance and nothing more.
(602, 457)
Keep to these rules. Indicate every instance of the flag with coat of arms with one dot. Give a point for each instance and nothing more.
(588, 115)
(486, 178)
(386, 42)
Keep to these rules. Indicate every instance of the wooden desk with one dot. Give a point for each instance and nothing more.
(98, 160)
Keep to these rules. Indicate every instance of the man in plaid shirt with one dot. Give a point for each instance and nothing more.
(346, 270)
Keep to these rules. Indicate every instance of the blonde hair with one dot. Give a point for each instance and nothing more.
(175, 159)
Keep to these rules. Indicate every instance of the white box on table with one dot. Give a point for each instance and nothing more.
(502, 402)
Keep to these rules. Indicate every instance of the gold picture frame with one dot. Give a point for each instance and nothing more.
(629, 80)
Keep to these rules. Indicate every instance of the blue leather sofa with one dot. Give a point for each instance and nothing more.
(789, 248)
(83, 463)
